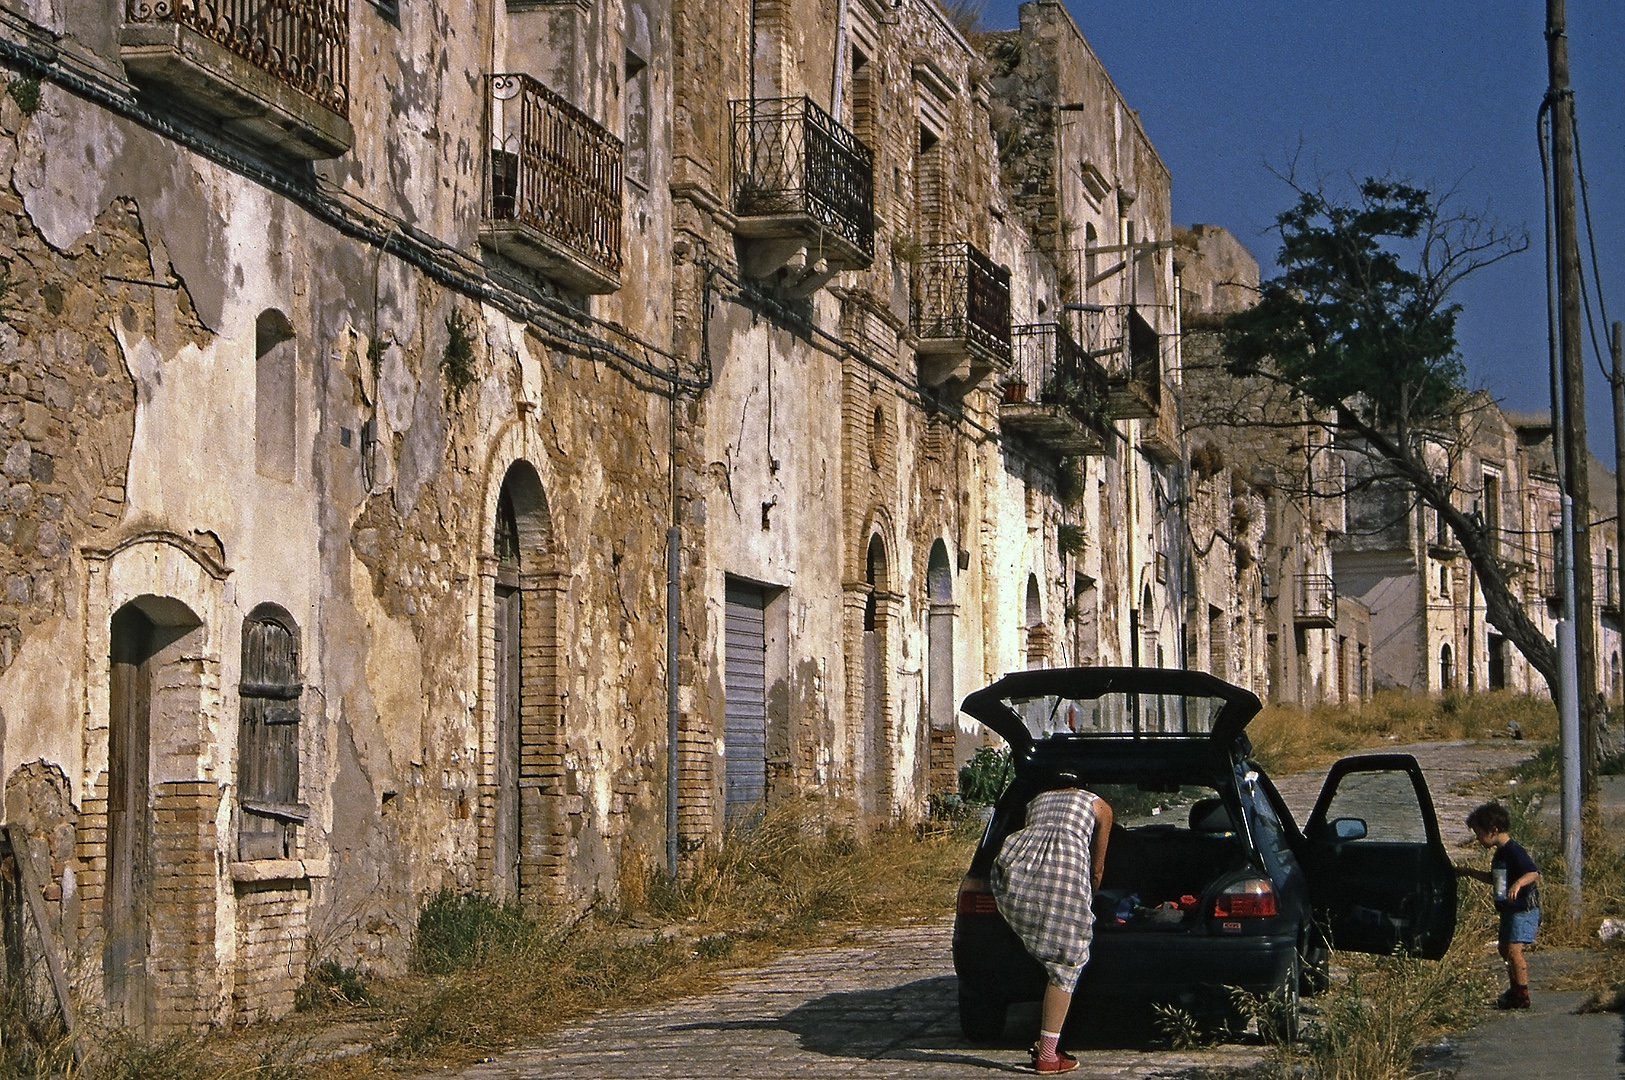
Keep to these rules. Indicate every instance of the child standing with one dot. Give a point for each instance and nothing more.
(1513, 876)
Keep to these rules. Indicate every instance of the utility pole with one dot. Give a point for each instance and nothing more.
(1576, 637)
(1617, 385)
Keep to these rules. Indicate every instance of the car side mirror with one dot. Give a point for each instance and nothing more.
(1348, 828)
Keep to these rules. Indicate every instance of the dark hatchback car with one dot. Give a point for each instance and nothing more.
(1209, 883)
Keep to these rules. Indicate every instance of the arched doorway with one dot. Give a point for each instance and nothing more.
(527, 736)
(878, 767)
(1036, 633)
(940, 704)
(151, 688)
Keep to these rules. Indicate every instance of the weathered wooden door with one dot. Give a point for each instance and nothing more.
(268, 740)
(129, 818)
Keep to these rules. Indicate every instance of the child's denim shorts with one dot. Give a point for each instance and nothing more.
(1518, 927)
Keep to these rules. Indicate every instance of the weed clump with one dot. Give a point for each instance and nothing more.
(456, 930)
(331, 985)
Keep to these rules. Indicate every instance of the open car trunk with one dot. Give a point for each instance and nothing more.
(1163, 876)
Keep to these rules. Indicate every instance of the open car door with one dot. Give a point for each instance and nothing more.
(1380, 879)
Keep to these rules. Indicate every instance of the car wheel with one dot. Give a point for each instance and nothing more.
(1315, 963)
(981, 1018)
(1286, 1010)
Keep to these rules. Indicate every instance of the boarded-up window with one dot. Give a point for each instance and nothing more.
(275, 394)
(268, 741)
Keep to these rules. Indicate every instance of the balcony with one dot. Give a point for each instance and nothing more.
(1055, 393)
(961, 315)
(804, 193)
(553, 191)
(1316, 602)
(1136, 392)
(271, 72)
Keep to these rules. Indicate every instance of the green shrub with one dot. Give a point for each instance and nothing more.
(457, 362)
(25, 92)
(1069, 538)
(984, 777)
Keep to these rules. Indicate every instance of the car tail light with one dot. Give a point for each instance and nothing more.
(975, 898)
(1253, 898)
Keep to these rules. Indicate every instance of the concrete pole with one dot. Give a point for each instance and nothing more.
(1575, 635)
(1617, 385)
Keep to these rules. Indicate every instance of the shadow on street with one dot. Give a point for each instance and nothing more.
(919, 1021)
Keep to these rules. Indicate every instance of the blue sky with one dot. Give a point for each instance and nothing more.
(1443, 93)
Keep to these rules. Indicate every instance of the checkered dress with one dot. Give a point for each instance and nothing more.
(1041, 882)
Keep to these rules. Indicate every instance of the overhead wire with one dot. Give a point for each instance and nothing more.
(1591, 241)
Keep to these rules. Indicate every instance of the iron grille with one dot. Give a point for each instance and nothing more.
(303, 43)
(1048, 363)
(960, 293)
(1317, 596)
(791, 157)
(554, 170)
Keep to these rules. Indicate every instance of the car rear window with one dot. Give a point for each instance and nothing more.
(1117, 713)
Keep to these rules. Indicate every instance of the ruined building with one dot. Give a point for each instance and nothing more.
(1321, 585)
(1268, 509)
(500, 453)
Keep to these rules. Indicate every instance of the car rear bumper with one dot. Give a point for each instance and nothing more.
(1160, 966)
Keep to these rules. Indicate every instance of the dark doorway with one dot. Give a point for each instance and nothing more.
(1498, 662)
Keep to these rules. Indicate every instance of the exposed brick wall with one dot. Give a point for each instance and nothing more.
(181, 963)
(273, 941)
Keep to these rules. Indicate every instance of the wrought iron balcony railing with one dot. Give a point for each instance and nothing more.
(1055, 393)
(791, 158)
(961, 295)
(304, 44)
(557, 175)
(1317, 601)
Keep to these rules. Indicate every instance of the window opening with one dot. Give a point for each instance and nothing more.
(268, 741)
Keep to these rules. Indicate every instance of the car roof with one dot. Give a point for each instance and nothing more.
(991, 705)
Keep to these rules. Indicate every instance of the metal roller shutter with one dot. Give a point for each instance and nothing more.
(745, 714)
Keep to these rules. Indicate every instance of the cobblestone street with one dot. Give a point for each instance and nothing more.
(883, 1004)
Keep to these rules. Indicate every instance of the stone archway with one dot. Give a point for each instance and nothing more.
(876, 781)
(522, 831)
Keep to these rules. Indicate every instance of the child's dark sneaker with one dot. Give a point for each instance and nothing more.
(1516, 997)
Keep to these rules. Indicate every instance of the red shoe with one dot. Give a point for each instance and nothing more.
(1063, 1062)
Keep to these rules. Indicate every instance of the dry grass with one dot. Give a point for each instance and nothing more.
(797, 878)
(490, 978)
(1289, 739)
(1531, 793)
(1372, 1021)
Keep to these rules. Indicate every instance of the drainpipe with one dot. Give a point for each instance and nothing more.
(673, 548)
(840, 61)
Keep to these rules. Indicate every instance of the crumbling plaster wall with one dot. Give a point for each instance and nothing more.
(371, 548)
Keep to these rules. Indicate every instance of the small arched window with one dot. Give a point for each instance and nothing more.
(1447, 668)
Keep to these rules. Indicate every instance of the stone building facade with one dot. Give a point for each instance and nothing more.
(1323, 586)
(1268, 509)
(502, 454)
